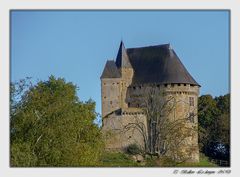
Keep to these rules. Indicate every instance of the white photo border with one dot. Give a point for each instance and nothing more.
(6, 6)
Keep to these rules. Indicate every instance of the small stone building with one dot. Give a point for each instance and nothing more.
(124, 83)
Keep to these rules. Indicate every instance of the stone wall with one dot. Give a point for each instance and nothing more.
(120, 130)
(183, 98)
(111, 94)
(127, 74)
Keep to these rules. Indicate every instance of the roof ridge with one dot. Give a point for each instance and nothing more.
(151, 46)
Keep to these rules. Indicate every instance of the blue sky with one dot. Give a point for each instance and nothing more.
(76, 44)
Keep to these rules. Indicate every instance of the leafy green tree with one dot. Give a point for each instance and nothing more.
(214, 126)
(51, 127)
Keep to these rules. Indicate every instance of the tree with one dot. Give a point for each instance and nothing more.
(214, 126)
(207, 112)
(49, 126)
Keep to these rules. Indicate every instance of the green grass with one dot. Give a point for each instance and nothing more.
(203, 162)
(118, 159)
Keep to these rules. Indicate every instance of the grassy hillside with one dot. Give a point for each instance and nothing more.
(118, 159)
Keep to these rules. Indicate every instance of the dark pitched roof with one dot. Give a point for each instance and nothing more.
(122, 57)
(110, 70)
(158, 64)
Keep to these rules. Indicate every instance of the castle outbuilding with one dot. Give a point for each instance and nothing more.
(124, 83)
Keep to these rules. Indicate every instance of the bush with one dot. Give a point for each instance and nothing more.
(133, 149)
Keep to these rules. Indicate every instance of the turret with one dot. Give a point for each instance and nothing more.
(125, 68)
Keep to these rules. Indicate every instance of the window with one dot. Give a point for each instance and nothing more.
(191, 117)
(134, 87)
(128, 104)
(110, 102)
(165, 85)
(191, 101)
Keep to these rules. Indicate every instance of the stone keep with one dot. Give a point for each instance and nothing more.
(124, 83)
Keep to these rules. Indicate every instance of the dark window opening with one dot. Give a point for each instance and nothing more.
(179, 84)
(165, 85)
(134, 87)
(128, 104)
(110, 102)
(191, 101)
(185, 84)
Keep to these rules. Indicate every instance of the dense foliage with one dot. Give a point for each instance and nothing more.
(51, 127)
(214, 126)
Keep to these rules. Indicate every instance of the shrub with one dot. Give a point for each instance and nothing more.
(133, 149)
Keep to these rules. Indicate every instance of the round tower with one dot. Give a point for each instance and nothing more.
(185, 110)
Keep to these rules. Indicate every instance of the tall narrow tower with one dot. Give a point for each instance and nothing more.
(125, 68)
(110, 88)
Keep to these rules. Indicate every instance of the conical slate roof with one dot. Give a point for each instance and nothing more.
(122, 60)
(110, 70)
(158, 64)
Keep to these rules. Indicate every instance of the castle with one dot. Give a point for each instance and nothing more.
(124, 83)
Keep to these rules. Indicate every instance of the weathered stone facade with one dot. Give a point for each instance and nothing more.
(123, 90)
